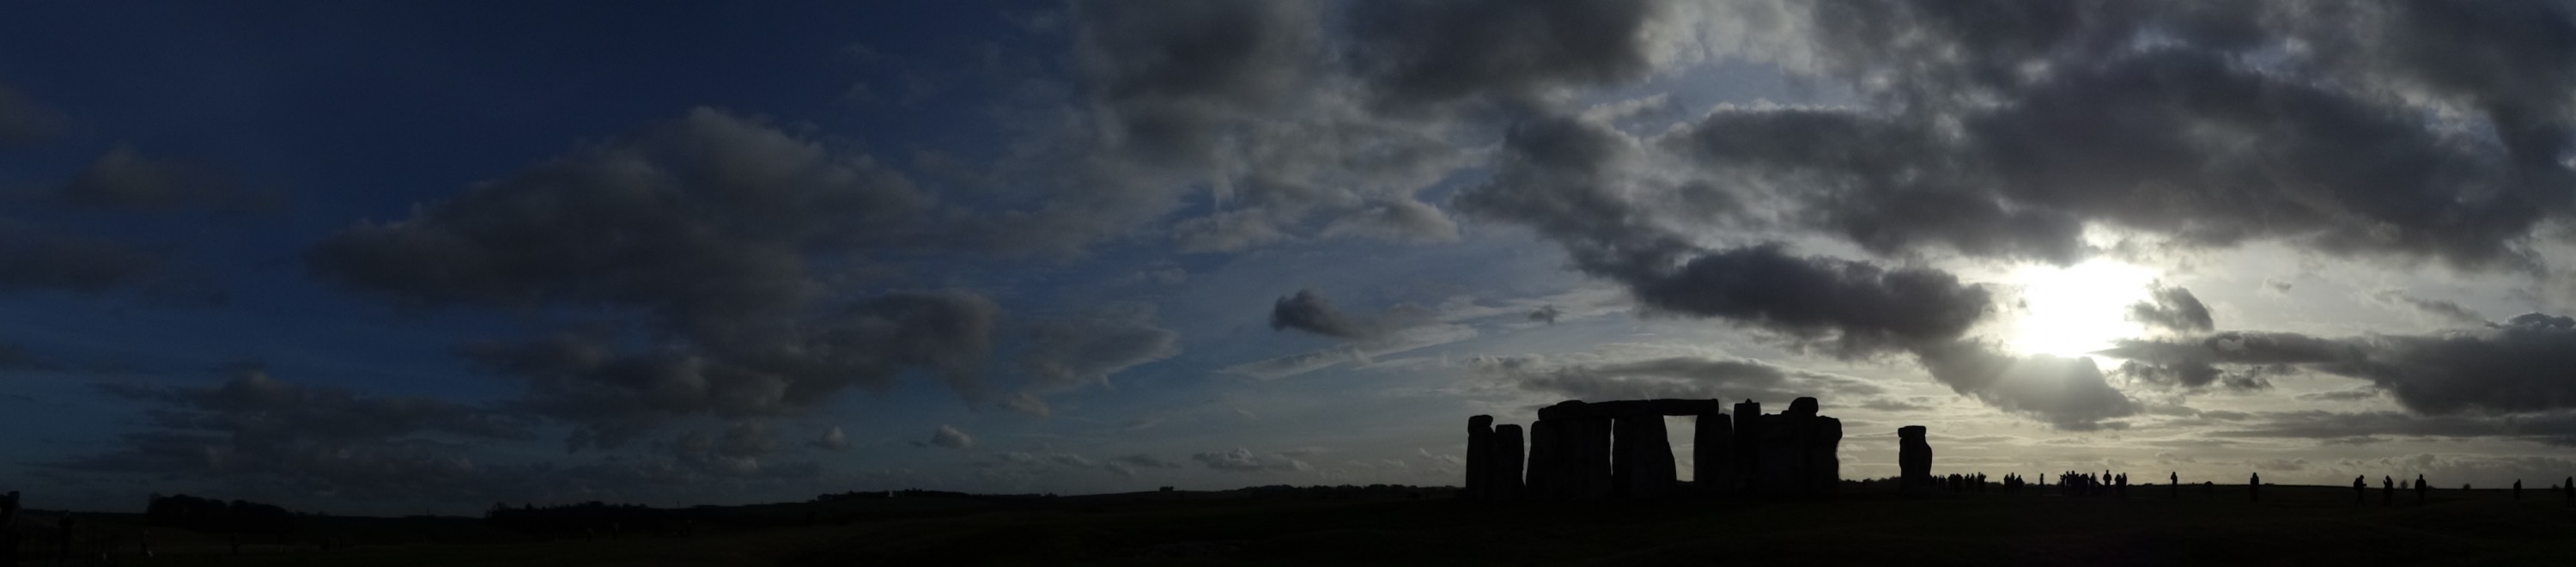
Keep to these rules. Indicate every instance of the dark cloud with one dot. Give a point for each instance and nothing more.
(732, 239)
(1683, 377)
(1546, 314)
(2446, 311)
(1310, 312)
(2508, 367)
(254, 430)
(24, 121)
(831, 440)
(1141, 460)
(125, 179)
(2207, 123)
(1427, 53)
(2172, 308)
(1244, 100)
(712, 223)
(2555, 428)
(612, 394)
(1565, 176)
(951, 438)
(1244, 460)
(1575, 181)
(737, 449)
(2196, 376)
(1087, 348)
(14, 357)
(36, 258)
(1092, 347)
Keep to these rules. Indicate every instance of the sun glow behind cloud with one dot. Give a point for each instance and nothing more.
(2073, 310)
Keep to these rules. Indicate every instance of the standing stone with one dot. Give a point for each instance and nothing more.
(1805, 406)
(1588, 463)
(1824, 471)
(1480, 431)
(1913, 461)
(1504, 454)
(1712, 453)
(1642, 460)
(1542, 481)
(1748, 446)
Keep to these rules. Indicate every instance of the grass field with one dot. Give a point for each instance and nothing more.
(2293, 525)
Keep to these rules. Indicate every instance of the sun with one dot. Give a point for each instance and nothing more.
(2074, 310)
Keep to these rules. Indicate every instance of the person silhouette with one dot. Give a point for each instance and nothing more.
(2387, 491)
(2517, 490)
(2360, 490)
(2254, 488)
(2421, 489)
(2174, 479)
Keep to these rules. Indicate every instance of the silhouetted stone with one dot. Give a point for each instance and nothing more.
(1588, 462)
(1805, 406)
(2517, 490)
(1505, 452)
(2254, 487)
(1913, 461)
(1480, 431)
(1641, 461)
(1748, 445)
(1712, 453)
(1544, 481)
(2421, 489)
(2174, 479)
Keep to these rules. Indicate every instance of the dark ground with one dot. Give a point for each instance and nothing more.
(2293, 525)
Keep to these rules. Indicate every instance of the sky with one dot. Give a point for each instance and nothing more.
(403, 257)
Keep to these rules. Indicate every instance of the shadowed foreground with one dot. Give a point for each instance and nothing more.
(2293, 524)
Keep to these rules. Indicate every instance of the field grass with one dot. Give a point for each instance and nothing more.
(2293, 525)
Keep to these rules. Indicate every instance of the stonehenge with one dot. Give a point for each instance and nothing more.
(1914, 461)
(1582, 451)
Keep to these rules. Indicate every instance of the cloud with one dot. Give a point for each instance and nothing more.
(734, 239)
(1089, 347)
(125, 179)
(1310, 312)
(1611, 377)
(737, 449)
(832, 440)
(1579, 182)
(25, 121)
(2200, 376)
(2446, 311)
(1242, 100)
(1361, 352)
(2172, 308)
(2506, 367)
(1141, 460)
(1244, 460)
(2067, 393)
(2554, 428)
(1418, 54)
(612, 395)
(35, 258)
(14, 357)
(1564, 177)
(950, 437)
(257, 432)
(2209, 125)
(711, 223)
